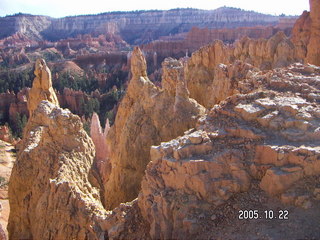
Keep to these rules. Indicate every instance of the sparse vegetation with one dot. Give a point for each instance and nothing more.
(13, 80)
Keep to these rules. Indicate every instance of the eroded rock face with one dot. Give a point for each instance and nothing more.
(210, 79)
(301, 34)
(268, 138)
(131, 26)
(313, 55)
(50, 195)
(41, 87)
(146, 116)
(99, 138)
(180, 44)
(306, 34)
(203, 70)
(172, 72)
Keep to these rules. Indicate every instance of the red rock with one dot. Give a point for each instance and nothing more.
(99, 139)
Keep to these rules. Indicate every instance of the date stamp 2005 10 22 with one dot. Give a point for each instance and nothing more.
(266, 214)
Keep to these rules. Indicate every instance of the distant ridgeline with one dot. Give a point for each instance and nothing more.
(136, 27)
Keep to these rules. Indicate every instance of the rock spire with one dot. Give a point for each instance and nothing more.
(41, 87)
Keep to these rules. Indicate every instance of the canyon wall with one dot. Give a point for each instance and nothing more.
(26, 24)
(199, 37)
(134, 27)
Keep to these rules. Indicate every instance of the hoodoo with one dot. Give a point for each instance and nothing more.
(146, 116)
(41, 87)
(49, 192)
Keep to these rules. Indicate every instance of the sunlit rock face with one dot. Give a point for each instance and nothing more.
(266, 139)
(146, 116)
(49, 192)
(41, 87)
(313, 55)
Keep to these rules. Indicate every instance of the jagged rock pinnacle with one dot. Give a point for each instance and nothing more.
(138, 64)
(41, 87)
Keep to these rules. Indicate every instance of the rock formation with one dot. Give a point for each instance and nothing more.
(301, 34)
(72, 99)
(49, 191)
(266, 139)
(12, 104)
(146, 116)
(41, 87)
(99, 139)
(199, 37)
(13, 56)
(313, 55)
(306, 34)
(134, 27)
(50, 177)
(256, 146)
(209, 82)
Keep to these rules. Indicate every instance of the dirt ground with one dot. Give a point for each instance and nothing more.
(302, 223)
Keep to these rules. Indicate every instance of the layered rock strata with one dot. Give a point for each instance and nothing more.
(134, 27)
